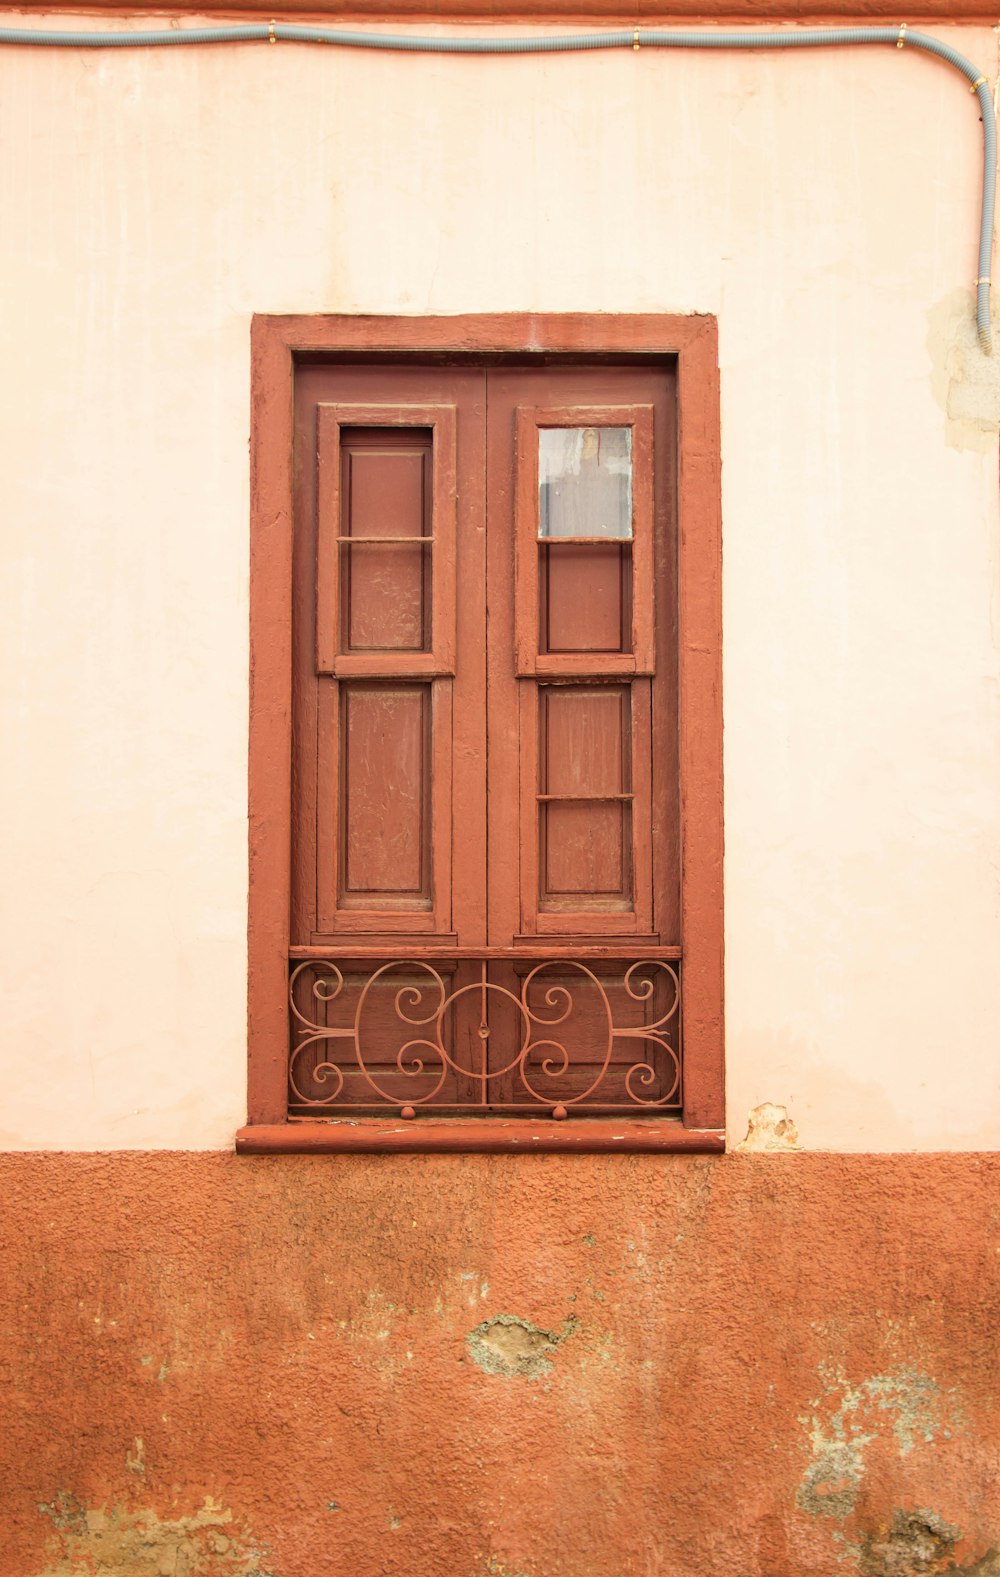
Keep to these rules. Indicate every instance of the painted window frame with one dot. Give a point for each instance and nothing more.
(276, 343)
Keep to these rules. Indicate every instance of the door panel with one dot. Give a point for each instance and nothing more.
(581, 497)
(385, 792)
(484, 726)
(584, 598)
(381, 715)
(585, 809)
(586, 783)
(383, 810)
(584, 740)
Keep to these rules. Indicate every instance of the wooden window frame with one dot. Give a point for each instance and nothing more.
(276, 343)
(639, 659)
(441, 657)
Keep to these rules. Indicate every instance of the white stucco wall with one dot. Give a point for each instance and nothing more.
(823, 206)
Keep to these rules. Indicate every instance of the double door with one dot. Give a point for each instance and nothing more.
(485, 736)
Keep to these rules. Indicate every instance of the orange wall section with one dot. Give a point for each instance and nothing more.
(778, 1366)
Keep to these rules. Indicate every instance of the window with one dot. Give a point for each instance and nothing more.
(485, 735)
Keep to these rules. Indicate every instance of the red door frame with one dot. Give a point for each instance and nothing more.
(275, 344)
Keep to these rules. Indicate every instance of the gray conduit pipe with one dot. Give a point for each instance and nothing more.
(635, 38)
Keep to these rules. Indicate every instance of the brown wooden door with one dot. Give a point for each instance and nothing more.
(484, 730)
(580, 656)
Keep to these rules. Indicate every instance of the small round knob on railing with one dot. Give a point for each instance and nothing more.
(407, 1111)
(559, 1112)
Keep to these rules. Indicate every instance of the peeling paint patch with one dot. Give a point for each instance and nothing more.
(849, 1417)
(914, 1399)
(917, 1542)
(120, 1542)
(65, 1512)
(832, 1480)
(770, 1128)
(988, 1566)
(965, 381)
(497, 1568)
(510, 1346)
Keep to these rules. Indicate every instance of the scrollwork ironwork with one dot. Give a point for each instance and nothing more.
(510, 1035)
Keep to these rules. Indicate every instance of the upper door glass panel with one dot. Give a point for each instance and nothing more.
(585, 482)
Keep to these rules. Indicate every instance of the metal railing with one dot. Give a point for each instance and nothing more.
(500, 1032)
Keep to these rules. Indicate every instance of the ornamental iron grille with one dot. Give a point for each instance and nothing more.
(499, 1035)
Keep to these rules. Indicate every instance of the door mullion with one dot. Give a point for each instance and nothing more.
(469, 828)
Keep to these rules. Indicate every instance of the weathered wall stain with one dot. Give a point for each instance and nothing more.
(917, 1541)
(831, 1482)
(804, 1340)
(139, 1542)
(916, 1544)
(965, 381)
(509, 1345)
(770, 1128)
(989, 1566)
(499, 1568)
(864, 1437)
(65, 1513)
(846, 1419)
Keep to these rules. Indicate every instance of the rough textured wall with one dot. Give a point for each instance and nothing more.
(777, 1366)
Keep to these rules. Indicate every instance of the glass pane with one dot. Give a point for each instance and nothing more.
(585, 482)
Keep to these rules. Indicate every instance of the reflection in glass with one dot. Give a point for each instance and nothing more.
(585, 482)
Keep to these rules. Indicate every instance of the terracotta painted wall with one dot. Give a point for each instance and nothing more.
(517, 1367)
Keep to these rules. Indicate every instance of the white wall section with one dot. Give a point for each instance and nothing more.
(824, 206)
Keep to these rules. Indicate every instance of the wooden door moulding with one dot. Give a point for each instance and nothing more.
(690, 342)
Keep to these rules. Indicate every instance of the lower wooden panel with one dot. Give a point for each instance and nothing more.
(383, 819)
(385, 794)
(586, 808)
(584, 854)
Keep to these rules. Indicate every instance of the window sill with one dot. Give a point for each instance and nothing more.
(483, 1136)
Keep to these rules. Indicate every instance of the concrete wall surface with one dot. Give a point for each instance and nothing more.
(509, 1367)
(823, 206)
